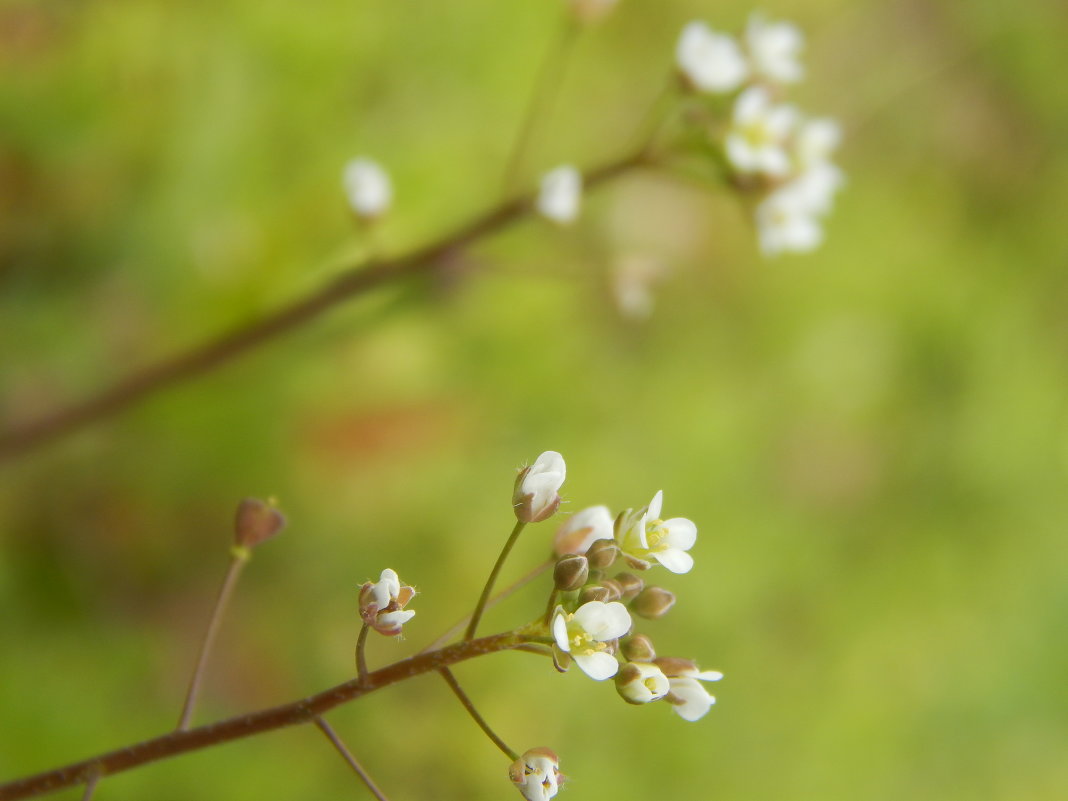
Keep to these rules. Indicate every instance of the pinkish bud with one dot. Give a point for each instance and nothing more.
(256, 521)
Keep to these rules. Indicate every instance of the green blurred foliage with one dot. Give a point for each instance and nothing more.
(871, 439)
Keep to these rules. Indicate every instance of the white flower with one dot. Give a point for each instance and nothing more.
(536, 774)
(560, 195)
(582, 529)
(536, 494)
(689, 699)
(642, 683)
(756, 141)
(710, 61)
(774, 49)
(382, 603)
(643, 537)
(587, 633)
(787, 221)
(367, 187)
(815, 141)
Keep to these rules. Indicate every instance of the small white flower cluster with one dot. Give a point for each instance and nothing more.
(590, 626)
(771, 147)
(382, 603)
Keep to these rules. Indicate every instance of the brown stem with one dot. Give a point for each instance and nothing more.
(354, 282)
(304, 710)
(346, 754)
(458, 691)
(240, 557)
(361, 658)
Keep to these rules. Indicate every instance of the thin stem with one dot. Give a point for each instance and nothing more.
(470, 707)
(303, 710)
(551, 606)
(240, 557)
(546, 87)
(510, 590)
(357, 280)
(657, 115)
(90, 788)
(361, 660)
(346, 754)
(480, 607)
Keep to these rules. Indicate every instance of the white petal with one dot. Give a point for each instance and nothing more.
(708, 675)
(598, 665)
(674, 560)
(695, 699)
(656, 505)
(559, 200)
(681, 533)
(751, 104)
(396, 619)
(604, 621)
(582, 529)
(560, 630)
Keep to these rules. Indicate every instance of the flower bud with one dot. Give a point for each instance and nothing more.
(594, 592)
(582, 529)
(382, 603)
(571, 572)
(653, 603)
(630, 584)
(641, 682)
(638, 648)
(256, 521)
(615, 591)
(602, 553)
(368, 188)
(536, 494)
(536, 774)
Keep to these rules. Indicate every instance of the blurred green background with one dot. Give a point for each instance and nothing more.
(871, 439)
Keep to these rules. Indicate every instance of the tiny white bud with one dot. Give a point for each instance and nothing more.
(535, 496)
(368, 188)
(536, 774)
(560, 195)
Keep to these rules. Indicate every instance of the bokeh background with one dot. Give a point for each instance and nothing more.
(871, 438)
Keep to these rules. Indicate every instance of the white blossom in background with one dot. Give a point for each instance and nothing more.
(536, 774)
(787, 222)
(774, 49)
(688, 697)
(382, 603)
(642, 683)
(644, 538)
(537, 487)
(367, 187)
(586, 635)
(582, 529)
(561, 194)
(759, 134)
(710, 61)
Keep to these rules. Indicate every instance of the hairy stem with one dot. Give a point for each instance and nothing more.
(357, 280)
(346, 754)
(240, 557)
(480, 607)
(304, 710)
(474, 713)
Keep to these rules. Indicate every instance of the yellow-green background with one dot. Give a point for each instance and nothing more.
(871, 439)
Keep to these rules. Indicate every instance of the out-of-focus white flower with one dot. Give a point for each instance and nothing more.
(787, 222)
(689, 699)
(382, 603)
(710, 61)
(644, 538)
(641, 683)
(582, 529)
(560, 195)
(815, 141)
(536, 774)
(774, 49)
(367, 187)
(760, 129)
(536, 493)
(586, 635)
(591, 10)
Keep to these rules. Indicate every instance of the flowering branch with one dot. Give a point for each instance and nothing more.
(304, 710)
(357, 280)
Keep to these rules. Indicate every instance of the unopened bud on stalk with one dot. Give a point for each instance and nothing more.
(382, 603)
(602, 553)
(641, 682)
(256, 522)
(571, 572)
(595, 592)
(536, 494)
(638, 648)
(615, 591)
(630, 584)
(653, 603)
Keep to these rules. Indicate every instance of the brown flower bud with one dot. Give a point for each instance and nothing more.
(615, 591)
(653, 603)
(630, 584)
(602, 553)
(674, 666)
(638, 648)
(594, 592)
(256, 521)
(571, 572)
